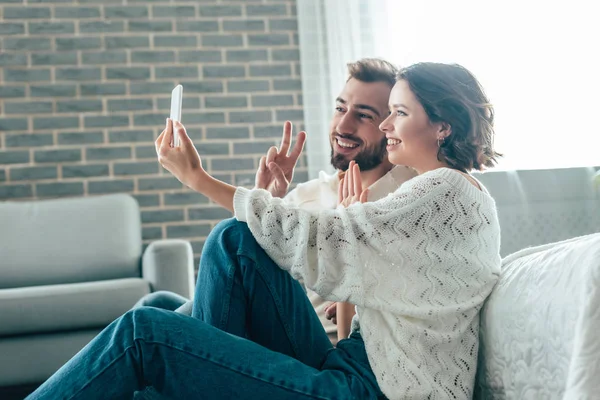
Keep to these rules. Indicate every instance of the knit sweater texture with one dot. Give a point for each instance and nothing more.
(418, 264)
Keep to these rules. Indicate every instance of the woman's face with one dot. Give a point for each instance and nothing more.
(412, 137)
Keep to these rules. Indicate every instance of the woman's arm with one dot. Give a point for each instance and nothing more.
(345, 312)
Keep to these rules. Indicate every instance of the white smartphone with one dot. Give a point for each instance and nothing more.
(176, 99)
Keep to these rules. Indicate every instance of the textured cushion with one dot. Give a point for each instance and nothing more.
(539, 327)
(69, 240)
(67, 307)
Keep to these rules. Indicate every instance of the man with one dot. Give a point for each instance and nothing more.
(354, 135)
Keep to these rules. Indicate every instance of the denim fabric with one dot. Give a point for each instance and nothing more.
(254, 335)
(162, 299)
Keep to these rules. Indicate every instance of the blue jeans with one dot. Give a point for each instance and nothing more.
(254, 335)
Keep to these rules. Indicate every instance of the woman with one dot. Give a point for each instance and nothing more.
(418, 264)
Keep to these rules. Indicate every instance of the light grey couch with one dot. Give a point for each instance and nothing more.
(68, 267)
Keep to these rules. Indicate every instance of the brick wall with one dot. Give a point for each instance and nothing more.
(85, 90)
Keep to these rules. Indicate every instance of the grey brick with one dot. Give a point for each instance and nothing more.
(125, 12)
(15, 191)
(210, 149)
(230, 132)
(226, 102)
(27, 44)
(102, 89)
(78, 105)
(29, 140)
(136, 168)
(296, 39)
(8, 59)
(13, 124)
(55, 122)
(287, 24)
(85, 171)
(175, 41)
(14, 157)
(300, 99)
(208, 213)
(31, 107)
(80, 137)
(78, 74)
(173, 11)
(59, 189)
(42, 156)
(54, 1)
(11, 91)
(244, 25)
(205, 118)
(202, 86)
(297, 69)
(245, 179)
(149, 217)
(129, 73)
(26, 75)
(223, 71)
(126, 42)
(272, 100)
(142, 152)
(265, 10)
(111, 186)
(197, 26)
(2, 175)
(197, 246)
(154, 119)
(11, 1)
(107, 153)
(248, 86)
(146, 184)
(53, 90)
(53, 28)
(289, 115)
(104, 57)
(221, 11)
(270, 70)
(232, 164)
(106, 121)
(150, 26)
(253, 147)
(147, 200)
(200, 56)
(268, 131)
(286, 55)
(12, 28)
(26, 12)
(54, 59)
(83, 43)
(185, 198)
(250, 116)
(101, 26)
(153, 56)
(152, 232)
(185, 231)
(32, 173)
(176, 72)
(152, 88)
(247, 55)
(272, 39)
(130, 105)
(77, 12)
(188, 103)
(222, 40)
(287, 84)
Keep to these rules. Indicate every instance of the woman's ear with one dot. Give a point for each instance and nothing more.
(444, 131)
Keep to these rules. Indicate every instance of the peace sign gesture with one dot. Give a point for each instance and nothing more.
(276, 169)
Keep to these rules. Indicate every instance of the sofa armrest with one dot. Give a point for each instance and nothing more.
(169, 265)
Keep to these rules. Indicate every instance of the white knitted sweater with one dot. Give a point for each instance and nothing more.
(418, 264)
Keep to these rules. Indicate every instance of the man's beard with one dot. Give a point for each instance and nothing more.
(367, 159)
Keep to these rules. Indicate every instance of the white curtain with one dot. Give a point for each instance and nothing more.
(331, 33)
(536, 59)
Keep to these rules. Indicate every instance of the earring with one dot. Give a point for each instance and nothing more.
(440, 142)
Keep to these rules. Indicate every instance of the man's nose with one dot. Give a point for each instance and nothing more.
(345, 125)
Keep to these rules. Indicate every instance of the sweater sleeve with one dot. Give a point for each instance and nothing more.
(340, 254)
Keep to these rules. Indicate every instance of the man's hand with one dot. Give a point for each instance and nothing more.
(276, 169)
(331, 312)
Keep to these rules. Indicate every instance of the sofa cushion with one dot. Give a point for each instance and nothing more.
(69, 240)
(539, 327)
(67, 307)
